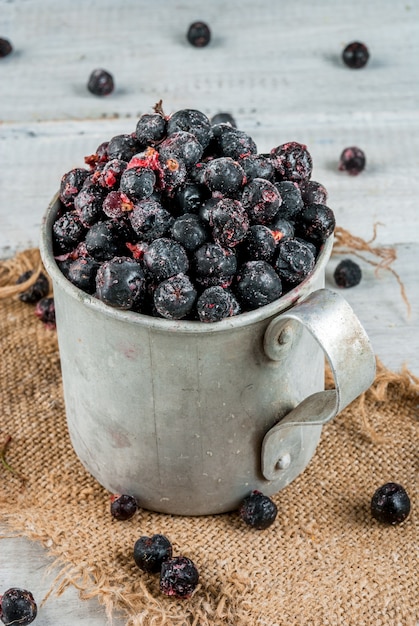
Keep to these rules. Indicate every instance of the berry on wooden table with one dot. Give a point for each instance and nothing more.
(5, 47)
(352, 160)
(347, 274)
(199, 34)
(100, 83)
(355, 55)
(17, 606)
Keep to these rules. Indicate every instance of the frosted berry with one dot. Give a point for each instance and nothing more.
(123, 507)
(191, 121)
(164, 258)
(175, 297)
(292, 201)
(183, 146)
(262, 201)
(292, 161)
(151, 552)
(122, 147)
(178, 577)
(82, 273)
(260, 244)
(190, 197)
(294, 260)
(232, 142)
(352, 160)
(347, 274)
(198, 34)
(216, 303)
(257, 166)
(317, 222)
(257, 284)
(189, 231)
(313, 192)
(149, 220)
(45, 311)
(35, 292)
(100, 83)
(224, 175)
(258, 510)
(229, 222)
(355, 55)
(5, 47)
(151, 128)
(68, 231)
(390, 504)
(17, 606)
(71, 184)
(214, 265)
(105, 240)
(137, 182)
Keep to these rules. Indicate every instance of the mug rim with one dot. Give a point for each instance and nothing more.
(297, 294)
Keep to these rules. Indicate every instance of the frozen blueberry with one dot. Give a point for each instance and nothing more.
(82, 273)
(151, 552)
(137, 182)
(17, 606)
(355, 55)
(216, 303)
(313, 192)
(190, 197)
(151, 128)
(35, 292)
(292, 161)
(316, 223)
(120, 283)
(178, 577)
(229, 222)
(282, 229)
(257, 166)
(390, 504)
(68, 231)
(257, 284)
(294, 260)
(261, 200)
(224, 175)
(258, 510)
(100, 83)
(189, 231)
(352, 160)
(175, 297)
(347, 274)
(164, 258)
(123, 507)
(105, 240)
(5, 47)
(214, 265)
(173, 174)
(88, 204)
(191, 121)
(198, 34)
(45, 311)
(122, 147)
(232, 142)
(292, 201)
(71, 184)
(183, 146)
(149, 220)
(260, 244)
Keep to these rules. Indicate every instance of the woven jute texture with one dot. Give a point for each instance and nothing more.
(325, 561)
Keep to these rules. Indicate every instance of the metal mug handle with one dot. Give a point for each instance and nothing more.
(335, 327)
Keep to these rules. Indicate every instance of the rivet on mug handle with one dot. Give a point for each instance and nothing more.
(338, 331)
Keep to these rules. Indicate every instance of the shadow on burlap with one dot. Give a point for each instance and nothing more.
(324, 562)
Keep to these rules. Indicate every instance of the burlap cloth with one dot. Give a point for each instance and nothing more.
(325, 561)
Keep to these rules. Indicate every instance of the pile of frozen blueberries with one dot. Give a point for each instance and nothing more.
(184, 219)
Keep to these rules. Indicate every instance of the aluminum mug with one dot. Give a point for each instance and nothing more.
(190, 417)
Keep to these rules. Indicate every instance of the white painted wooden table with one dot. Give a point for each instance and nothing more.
(276, 67)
